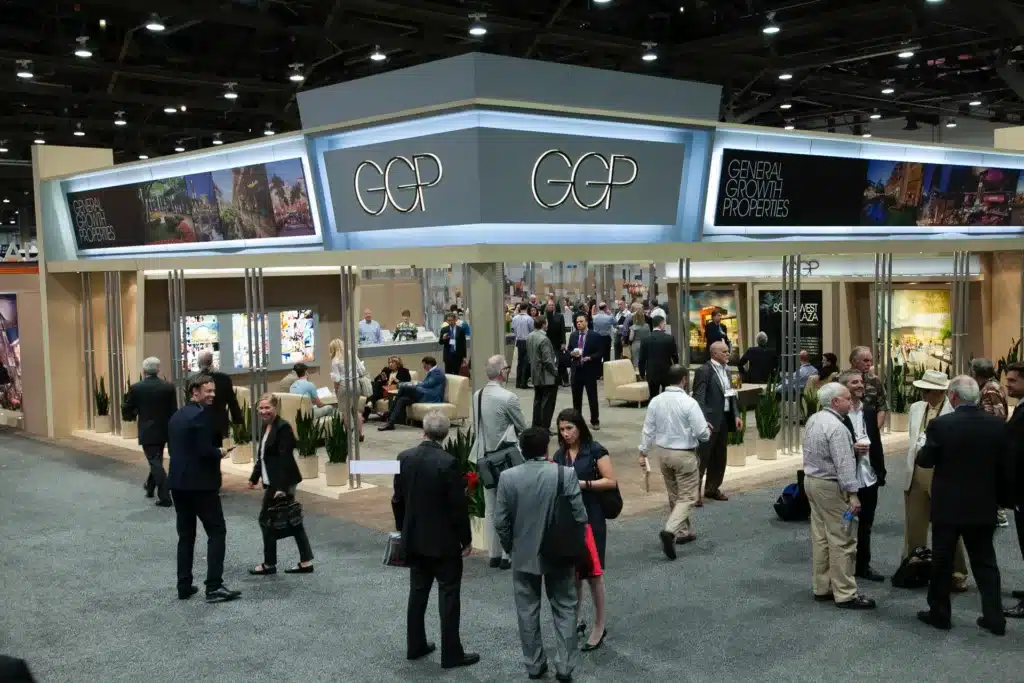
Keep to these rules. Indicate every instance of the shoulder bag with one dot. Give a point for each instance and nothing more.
(609, 499)
(491, 464)
(282, 517)
(394, 551)
(565, 539)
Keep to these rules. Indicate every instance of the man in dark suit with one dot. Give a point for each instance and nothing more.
(152, 402)
(226, 411)
(1015, 388)
(968, 450)
(718, 400)
(758, 362)
(556, 333)
(431, 513)
(658, 353)
(586, 349)
(715, 331)
(193, 443)
(453, 344)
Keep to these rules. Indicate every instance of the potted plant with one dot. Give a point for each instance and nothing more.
(308, 433)
(900, 397)
(460, 446)
(736, 452)
(129, 426)
(336, 469)
(241, 435)
(768, 418)
(809, 398)
(101, 399)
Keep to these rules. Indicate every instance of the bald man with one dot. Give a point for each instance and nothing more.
(225, 404)
(713, 391)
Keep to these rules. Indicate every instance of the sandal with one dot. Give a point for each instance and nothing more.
(263, 570)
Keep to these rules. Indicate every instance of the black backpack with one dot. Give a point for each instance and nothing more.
(792, 505)
(915, 570)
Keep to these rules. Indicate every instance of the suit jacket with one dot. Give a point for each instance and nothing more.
(1016, 454)
(225, 406)
(715, 333)
(279, 455)
(498, 410)
(556, 329)
(430, 503)
(762, 362)
(193, 444)
(657, 354)
(402, 375)
(524, 506)
(876, 453)
(710, 396)
(968, 450)
(914, 421)
(460, 343)
(152, 402)
(543, 361)
(593, 351)
(431, 389)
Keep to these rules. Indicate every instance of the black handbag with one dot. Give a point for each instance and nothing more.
(282, 517)
(492, 463)
(565, 539)
(394, 551)
(609, 499)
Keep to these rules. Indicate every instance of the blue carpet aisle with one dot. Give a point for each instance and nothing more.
(87, 574)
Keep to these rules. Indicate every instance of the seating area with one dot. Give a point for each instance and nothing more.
(457, 395)
(620, 383)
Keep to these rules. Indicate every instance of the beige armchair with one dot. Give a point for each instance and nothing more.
(620, 383)
(244, 397)
(457, 401)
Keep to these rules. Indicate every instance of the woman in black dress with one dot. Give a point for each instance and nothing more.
(593, 465)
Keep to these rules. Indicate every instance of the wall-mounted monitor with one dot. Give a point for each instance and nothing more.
(291, 338)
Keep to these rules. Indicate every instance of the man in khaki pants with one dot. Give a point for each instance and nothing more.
(917, 496)
(673, 427)
(830, 478)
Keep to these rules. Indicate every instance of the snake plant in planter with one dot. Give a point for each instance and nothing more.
(308, 433)
(101, 400)
(336, 445)
(241, 436)
(736, 452)
(129, 426)
(768, 416)
(460, 446)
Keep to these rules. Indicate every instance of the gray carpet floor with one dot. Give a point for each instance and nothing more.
(87, 592)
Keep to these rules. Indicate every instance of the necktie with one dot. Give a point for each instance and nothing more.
(582, 338)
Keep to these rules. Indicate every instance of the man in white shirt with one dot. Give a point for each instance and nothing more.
(522, 326)
(369, 329)
(674, 426)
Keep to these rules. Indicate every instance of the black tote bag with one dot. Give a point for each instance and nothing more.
(564, 539)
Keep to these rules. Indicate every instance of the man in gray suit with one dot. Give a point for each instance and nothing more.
(497, 418)
(718, 400)
(544, 371)
(525, 506)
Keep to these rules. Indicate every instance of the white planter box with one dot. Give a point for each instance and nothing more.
(309, 467)
(767, 449)
(129, 430)
(899, 422)
(242, 454)
(336, 473)
(736, 456)
(479, 529)
(101, 424)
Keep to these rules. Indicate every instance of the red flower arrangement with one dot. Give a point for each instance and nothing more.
(472, 481)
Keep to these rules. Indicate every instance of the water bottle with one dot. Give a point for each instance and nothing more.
(849, 519)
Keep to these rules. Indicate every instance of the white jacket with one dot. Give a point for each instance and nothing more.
(915, 420)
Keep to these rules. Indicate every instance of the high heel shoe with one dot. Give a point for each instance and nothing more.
(587, 647)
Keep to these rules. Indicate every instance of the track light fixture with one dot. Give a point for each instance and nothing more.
(269, 130)
(143, 157)
(888, 90)
(170, 110)
(377, 55)
(785, 76)
(119, 119)
(296, 75)
(975, 101)
(951, 122)
(40, 140)
(180, 146)
(24, 69)
(875, 115)
(217, 140)
(6, 200)
(82, 50)
(906, 54)
(183, 108)
(649, 54)
(79, 133)
(229, 92)
(477, 29)
(770, 28)
(786, 105)
(154, 24)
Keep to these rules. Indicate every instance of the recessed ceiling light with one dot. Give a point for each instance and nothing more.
(179, 148)
(6, 200)
(3, 149)
(875, 115)
(103, 23)
(269, 130)
(649, 54)
(217, 140)
(229, 93)
(975, 103)
(887, 90)
(906, 54)
(143, 157)
(771, 28)
(119, 119)
(477, 28)
(296, 75)
(601, 2)
(786, 105)
(82, 50)
(933, 2)
(24, 69)
(951, 122)
(183, 108)
(785, 76)
(39, 141)
(377, 55)
(78, 131)
(790, 126)
(170, 110)
(154, 24)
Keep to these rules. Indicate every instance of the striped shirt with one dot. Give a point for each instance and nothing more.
(828, 450)
(522, 325)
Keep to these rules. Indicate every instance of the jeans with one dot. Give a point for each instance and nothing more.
(204, 506)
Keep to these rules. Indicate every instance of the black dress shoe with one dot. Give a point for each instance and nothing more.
(859, 602)
(870, 574)
(222, 594)
(187, 592)
(149, 493)
(827, 597)
(263, 570)
(299, 569)
(1018, 594)
(386, 428)
(468, 659)
(423, 653)
(994, 629)
(494, 563)
(164, 504)
(541, 672)
(505, 564)
(1015, 612)
(930, 618)
(563, 678)
(668, 544)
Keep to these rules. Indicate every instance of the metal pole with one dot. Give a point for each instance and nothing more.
(1021, 304)
(107, 306)
(685, 331)
(797, 348)
(967, 311)
(889, 359)
(679, 330)
(250, 339)
(117, 367)
(179, 296)
(353, 405)
(786, 314)
(264, 333)
(86, 310)
(957, 305)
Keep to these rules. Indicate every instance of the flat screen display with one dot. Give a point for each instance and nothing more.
(202, 333)
(297, 336)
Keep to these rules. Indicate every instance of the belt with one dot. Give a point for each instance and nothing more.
(681, 450)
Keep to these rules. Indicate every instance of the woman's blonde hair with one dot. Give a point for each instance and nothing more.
(638, 317)
(271, 399)
(397, 360)
(334, 349)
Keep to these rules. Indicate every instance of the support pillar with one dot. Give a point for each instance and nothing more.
(484, 288)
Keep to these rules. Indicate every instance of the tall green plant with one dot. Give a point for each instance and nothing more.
(241, 434)
(767, 412)
(101, 398)
(736, 438)
(460, 446)
(335, 440)
(307, 433)
(127, 412)
(1012, 356)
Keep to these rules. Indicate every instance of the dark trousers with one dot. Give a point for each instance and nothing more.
(270, 540)
(406, 397)
(978, 543)
(157, 478)
(868, 502)
(655, 386)
(606, 352)
(452, 365)
(588, 382)
(204, 506)
(618, 346)
(563, 369)
(712, 456)
(422, 573)
(522, 364)
(544, 405)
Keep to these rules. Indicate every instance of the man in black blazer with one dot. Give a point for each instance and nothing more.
(432, 515)
(556, 333)
(194, 480)
(586, 351)
(715, 331)
(226, 410)
(758, 362)
(453, 344)
(152, 402)
(658, 353)
(1015, 388)
(716, 397)
(968, 451)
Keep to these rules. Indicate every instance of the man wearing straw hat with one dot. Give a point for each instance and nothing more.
(917, 496)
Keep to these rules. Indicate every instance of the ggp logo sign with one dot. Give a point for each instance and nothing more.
(592, 170)
(420, 171)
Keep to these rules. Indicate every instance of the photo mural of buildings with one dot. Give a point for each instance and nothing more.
(921, 328)
(10, 354)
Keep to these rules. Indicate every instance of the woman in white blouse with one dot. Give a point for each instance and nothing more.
(346, 381)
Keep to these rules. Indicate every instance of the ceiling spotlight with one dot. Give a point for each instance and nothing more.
(649, 54)
(906, 54)
(119, 119)
(143, 157)
(875, 115)
(771, 28)
(229, 93)
(377, 55)
(785, 76)
(79, 133)
(976, 102)
(103, 23)
(6, 200)
(951, 122)
(786, 105)
(888, 90)
(83, 50)
(866, 133)
(24, 69)
(601, 2)
(154, 24)
(476, 28)
(269, 130)
(3, 146)
(170, 110)
(296, 75)
(39, 141)
(180, 147)
(183, 108)
(789, 126)
(217, 140)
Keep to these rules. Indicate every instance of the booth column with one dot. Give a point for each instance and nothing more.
(484, 289)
